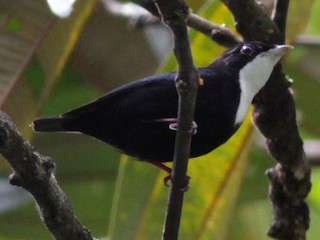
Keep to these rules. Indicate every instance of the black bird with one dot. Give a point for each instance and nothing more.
(140, 118)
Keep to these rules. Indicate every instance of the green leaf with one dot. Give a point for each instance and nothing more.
(22, 28)
(313, 26)
(134, 186)
(204, 50)
(13, 25)
(28, 28)
(313, 197)
(298, 16)
(304, 70)
(60, 41)
(253, 215)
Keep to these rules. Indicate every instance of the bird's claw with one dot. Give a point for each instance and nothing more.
(173, 124)
(193, 128)
(186, 186)
(166, 180)
(183, 189)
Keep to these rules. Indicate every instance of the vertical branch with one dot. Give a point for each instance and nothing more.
(280, 17)
(274, 115)
(174, 14)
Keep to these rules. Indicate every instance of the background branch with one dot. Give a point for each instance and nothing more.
(274, 115)
(34, 173)
(218, 33)
(252, 22)
(280, 17)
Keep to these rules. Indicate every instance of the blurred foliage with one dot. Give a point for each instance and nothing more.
(49, 66)
(298, 16)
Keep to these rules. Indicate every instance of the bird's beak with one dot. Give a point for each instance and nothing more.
(282, 49)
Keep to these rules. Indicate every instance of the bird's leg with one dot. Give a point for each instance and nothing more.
(164, 168)
(173, 125)
(169, 176)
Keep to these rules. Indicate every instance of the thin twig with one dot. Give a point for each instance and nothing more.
(174, 14)
(34, 173)
(218, 33)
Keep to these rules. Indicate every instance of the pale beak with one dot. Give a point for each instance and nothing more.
(282, 49)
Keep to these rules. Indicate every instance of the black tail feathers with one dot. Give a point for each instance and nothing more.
(49, 124)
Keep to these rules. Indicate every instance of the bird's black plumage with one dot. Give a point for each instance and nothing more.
(136, 118)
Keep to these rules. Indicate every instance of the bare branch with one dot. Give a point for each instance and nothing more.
(34, 173)
(174, 14)
(274, 115)
(252, 22)
(220, 34)
(280, 17)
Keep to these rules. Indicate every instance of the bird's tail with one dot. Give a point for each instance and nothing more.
(49, 124)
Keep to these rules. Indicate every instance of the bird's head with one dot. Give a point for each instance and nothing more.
(249, 53)
(253, 62)
(250, 65)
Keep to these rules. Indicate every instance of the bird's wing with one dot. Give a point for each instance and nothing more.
(147, 99)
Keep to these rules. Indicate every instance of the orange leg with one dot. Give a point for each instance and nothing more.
(164, 168)
(169, 176)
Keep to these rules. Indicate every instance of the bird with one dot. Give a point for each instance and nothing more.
(140, 118)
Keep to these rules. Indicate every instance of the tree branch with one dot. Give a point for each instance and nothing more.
(252, 22)
(274, 115)
(280, 17)
(34, 173)
(174, 14)
(218, 33)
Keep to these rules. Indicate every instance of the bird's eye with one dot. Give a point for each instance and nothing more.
(246, 50)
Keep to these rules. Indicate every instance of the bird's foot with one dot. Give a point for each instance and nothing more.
(173, 124)
(193, 128)
(168, 178)
(182, 189)
(164, 168)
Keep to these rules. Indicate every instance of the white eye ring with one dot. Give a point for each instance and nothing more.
(246, 50)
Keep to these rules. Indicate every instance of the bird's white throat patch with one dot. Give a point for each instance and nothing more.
(252, 77)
